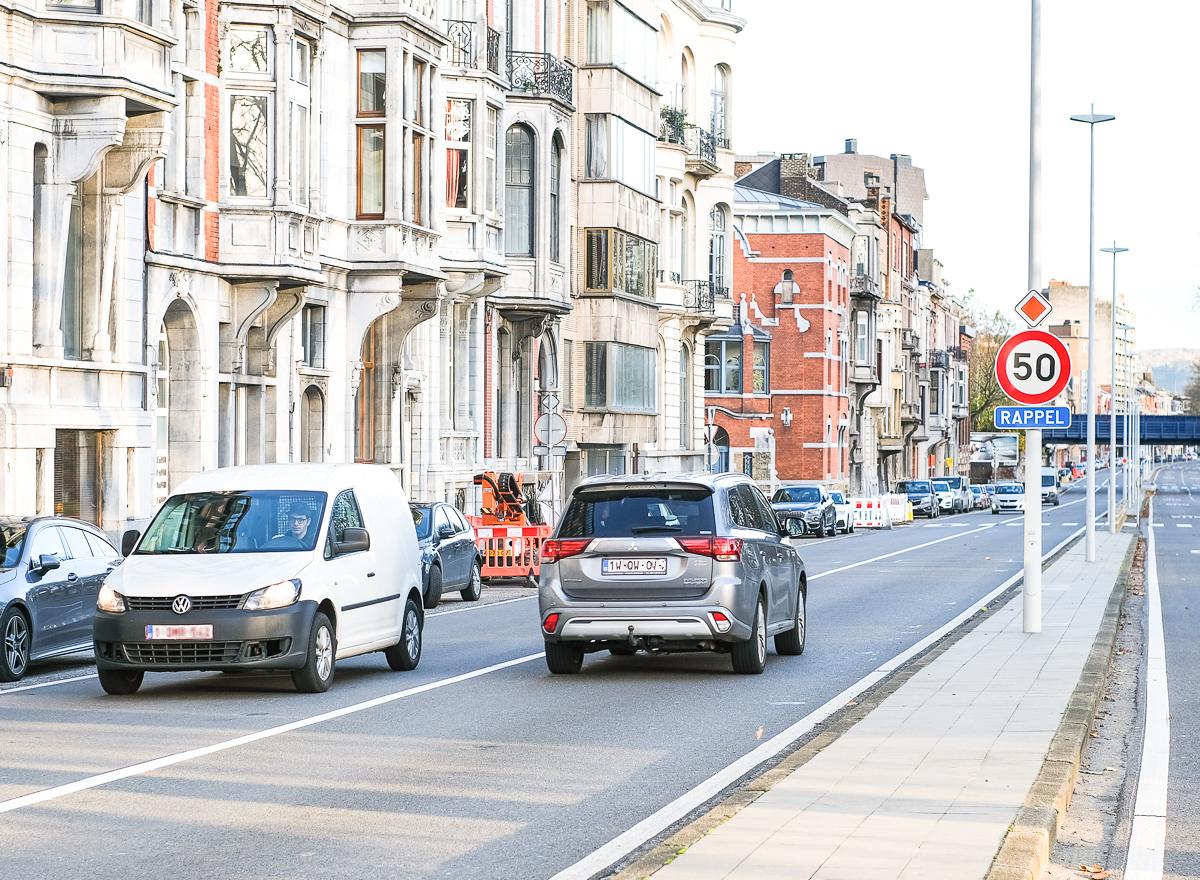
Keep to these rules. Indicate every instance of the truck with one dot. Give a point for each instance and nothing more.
(996, 459)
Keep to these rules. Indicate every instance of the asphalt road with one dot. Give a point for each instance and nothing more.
(1177, 551)
(478, 764)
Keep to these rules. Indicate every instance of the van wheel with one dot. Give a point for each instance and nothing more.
(316, 675)
(791, 643)
(750, 657)
(433, 588)
(474, 587)
(564, 658)
(406, 653)
(120, 681)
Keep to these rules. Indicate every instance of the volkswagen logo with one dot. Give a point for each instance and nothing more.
(181, 605)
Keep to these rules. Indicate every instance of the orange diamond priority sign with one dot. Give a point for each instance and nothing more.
(1033, 308)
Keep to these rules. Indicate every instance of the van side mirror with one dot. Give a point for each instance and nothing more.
(129, 541)
(353, 541)
(45, 563)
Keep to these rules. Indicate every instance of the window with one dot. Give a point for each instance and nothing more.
(616, 36)
(788, 288)
(417, 108)
(417, 207)
(935, 391)
(492, 140)
(619, 262)
(71, 316)
(458, 152)
(249, 50)
(80, 5)
(299, 138)
(101, 549)
(301, 53)
(717, 274)
(685, 397)
(372, 80)
(518, 192)
(249, 138)
(723, 366)
(555, 205)
(595, 355)
(620, 376)
(862, 340)
(345, 514)
(364, 401)
(761, 380)
(370, 172)
(618, 150)
(77, 544)
(604, 460)
(313, 335)
(720, 102)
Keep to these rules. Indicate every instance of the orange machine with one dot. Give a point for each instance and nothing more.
(509, 543)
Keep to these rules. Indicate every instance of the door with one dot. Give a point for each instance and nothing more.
(779, 558)
(455, 550)
(466, 539)
(47, 593)
(758, 550)
(353, 582)
(85, 573)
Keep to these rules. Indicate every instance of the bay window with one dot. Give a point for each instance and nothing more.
(760, 381)
(620, 377)
(723, 365)
(371, 164)
(618, 37)
(619, 262)
(862, 329)
(249, 50)
(617, 150)
(458, 152)
(518, 192)
(555, 205)
(371, 82)
(249, 145)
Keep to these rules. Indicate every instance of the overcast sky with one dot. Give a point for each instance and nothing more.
(947, 81)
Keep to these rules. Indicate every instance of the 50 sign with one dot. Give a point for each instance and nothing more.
(1033, 367)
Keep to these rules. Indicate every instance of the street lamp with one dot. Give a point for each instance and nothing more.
(1090, 526)
(1112, 412)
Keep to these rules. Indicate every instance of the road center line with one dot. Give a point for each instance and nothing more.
(46, 684)
(58, 791)
(903, 550)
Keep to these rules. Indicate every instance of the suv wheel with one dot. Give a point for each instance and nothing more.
(14, 654)
(750, 657)
(564, 658)
(316, 675)
(406, 653)
(791, 643)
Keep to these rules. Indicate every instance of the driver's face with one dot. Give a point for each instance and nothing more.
(299, 525)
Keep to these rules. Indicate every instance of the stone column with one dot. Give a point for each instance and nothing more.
(283, 55)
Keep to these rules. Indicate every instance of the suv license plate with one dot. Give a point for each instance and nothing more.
(194, 631)
(652, 565)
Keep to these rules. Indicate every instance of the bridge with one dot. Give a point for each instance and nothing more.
(1156, 430)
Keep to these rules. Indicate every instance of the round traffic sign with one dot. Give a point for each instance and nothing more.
(550, 429)
(1033, 367)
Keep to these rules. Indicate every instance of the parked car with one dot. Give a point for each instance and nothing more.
(1064, 476)
(946, 500)
(449, 557)
(1008, 497)
(266, 567)
(962, 494)
(920, 495)
(670, 563)
(845, 519)
(50, 574)
(980, 499)
(805, 509)
(1050, 493)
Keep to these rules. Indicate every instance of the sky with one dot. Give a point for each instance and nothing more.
(947, 81)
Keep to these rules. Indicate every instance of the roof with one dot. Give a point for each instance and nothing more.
(316, 477)
(751, 196)
(701, 478)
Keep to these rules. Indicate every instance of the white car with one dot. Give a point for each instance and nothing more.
(845, 519)
(1009, 498)
(946, 496)
(286, 566)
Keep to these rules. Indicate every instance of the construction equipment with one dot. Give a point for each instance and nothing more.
(509, 531)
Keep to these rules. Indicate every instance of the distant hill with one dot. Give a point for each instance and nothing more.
(1172, 367)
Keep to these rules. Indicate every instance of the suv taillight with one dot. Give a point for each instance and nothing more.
(721, 549)
(554, 549)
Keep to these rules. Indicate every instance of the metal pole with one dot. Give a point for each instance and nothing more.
(1112, 385)
(1031, 587)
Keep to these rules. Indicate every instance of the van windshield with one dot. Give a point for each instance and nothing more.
(1047, 480)
(625, 512)
(235, 522)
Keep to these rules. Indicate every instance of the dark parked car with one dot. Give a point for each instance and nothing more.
(50, 573)
(922, 496)
(805, 509)
(449, 557)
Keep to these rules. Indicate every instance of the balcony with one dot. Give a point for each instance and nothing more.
(666, 277)
(462, 51)
(908, 339)
(864, 285)
(959, 354)
(864, 374)
(910, 412)
(701, 147)
(699, 296)
(493, 51)
(939, 360)
(540, 73)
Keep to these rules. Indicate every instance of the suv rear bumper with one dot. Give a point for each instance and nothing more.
(606, 624)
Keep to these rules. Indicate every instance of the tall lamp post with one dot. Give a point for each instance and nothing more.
(1112, 411)
(1090, 525)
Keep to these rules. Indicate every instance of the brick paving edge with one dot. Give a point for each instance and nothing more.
(1025, 852)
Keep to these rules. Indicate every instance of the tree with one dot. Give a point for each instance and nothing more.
(1191, 394)
(991, 329)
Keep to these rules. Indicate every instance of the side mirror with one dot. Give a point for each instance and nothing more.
(445, 531)
(353, 541)
(129, 541)
(783, 530)
(46, 562)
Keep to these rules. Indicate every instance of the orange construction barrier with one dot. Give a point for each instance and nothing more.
(509, 552)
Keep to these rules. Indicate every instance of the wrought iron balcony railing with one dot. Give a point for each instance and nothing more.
(543, 73)
(701, 144)
(939, 360)
(671, 130)
(493, 50)
(462, 42)
(959, 354)
(699, 296)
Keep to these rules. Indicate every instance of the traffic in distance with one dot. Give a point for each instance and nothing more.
(298, 567)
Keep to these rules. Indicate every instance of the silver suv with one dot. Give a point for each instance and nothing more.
(695, 562)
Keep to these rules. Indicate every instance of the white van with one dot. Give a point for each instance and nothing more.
(287, 566)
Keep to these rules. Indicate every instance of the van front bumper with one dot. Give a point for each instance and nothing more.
(275, 639)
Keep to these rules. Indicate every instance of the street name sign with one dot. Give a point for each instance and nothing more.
(1022, 418)
(1033, 367)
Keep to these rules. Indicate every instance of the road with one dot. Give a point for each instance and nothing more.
(479, 764)
(1176, 527)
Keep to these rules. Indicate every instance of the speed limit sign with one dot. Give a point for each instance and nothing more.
(1033, 367)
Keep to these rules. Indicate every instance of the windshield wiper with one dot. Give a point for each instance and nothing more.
(638, 530)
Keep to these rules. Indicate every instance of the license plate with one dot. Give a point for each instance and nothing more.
(197, 631)
(653, 565)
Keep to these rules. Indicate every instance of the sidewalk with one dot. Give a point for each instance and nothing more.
(927, 785)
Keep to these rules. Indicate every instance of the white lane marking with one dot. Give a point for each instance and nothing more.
(1070, 524)
(46, 684)
(1183, 525)
(58, 791)
(476, 607)
(1148, 836)
(899, 552)
(627, 841)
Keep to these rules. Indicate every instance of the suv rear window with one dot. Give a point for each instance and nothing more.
(625, 512)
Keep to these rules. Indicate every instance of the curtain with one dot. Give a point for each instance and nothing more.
(599, 31)
(456, 192)
(597, 145)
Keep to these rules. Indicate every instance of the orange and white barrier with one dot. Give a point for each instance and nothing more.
(869, 513)
(509, 552)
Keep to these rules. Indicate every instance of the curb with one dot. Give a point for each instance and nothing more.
(1025, 851)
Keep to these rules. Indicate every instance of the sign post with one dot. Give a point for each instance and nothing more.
(1033, 367)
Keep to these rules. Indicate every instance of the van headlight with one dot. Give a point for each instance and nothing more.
(278, 595)
(110, 600)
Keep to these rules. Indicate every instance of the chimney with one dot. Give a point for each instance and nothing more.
(795, 169)
(851, 145)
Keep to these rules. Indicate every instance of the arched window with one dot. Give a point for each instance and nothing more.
(518, 192)
(718, 275)
(720, 105)
(683, 265)
(685, 79)
(685, 397)
(312, 425)
(555, 202)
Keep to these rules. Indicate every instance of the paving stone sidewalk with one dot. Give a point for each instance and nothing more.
(928, 783)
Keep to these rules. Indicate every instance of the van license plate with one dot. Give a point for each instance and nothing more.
(651, 565)
(192, 631)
